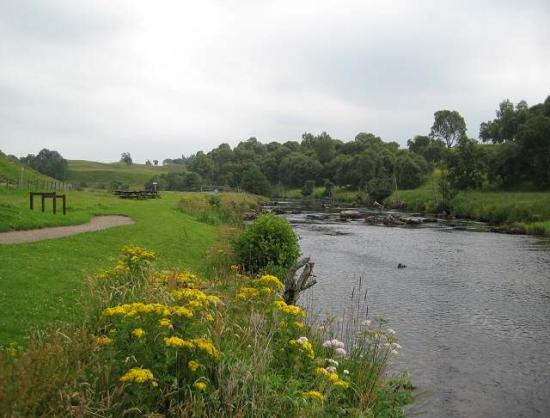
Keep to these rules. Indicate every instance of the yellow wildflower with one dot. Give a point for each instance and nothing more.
(341, 383)
(299, 324)
(267, 280)
(138, 333)
(200, 386)
(313, 394)
(288, 309)
(193, 365)
(165, 322)
(182, 311)
(206, 345)
(139, 375)
(103, 340)
(246, 293)
(178, 342)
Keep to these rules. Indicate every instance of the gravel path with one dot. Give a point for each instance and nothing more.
(96, 223)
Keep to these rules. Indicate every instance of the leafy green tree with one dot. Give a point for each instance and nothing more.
(409, 171)
(467, 168)
(330, 188)
(47, 162)
(448, 126)
(296, 168)
(433, 150)
(254, 181)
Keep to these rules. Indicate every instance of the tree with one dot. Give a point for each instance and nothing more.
(466, 165)
(156, 162)
(148, 162)
(448, 126)
(125, 157)
(254, 181)
(433, 150)
(47, 162)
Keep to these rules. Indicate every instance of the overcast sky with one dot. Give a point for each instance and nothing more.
(158, 79)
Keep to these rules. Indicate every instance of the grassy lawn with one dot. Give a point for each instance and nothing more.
(40, 282)
(135, 175)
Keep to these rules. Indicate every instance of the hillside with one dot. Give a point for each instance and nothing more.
(10, 172)
(97, 174)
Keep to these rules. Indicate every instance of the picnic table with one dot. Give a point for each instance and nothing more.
(137, 194)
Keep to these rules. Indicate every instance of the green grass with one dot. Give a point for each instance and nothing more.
(527, 211)
(40, 282)
(95, 174)
(11, 170)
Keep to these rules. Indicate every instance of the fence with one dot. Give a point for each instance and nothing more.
(36, 184)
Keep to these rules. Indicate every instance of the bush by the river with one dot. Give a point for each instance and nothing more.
(268, 245)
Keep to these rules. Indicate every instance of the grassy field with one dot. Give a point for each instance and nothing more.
(40, 282)
(522, 211)
(11, 170)
(95, 174)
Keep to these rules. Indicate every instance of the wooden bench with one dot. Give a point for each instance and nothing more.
(137, 194)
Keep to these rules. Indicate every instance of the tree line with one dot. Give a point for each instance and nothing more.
(514, 150)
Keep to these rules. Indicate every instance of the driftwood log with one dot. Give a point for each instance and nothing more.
(295, 285)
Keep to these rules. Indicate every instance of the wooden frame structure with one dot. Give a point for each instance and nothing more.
(49, 195)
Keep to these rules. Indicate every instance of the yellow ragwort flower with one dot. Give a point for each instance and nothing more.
(138, 333)
(193, 365)
(139, 375)
(178, 342)
(200, 386)
(313, 394)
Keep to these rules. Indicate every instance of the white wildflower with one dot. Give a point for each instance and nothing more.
(331, 369)
(391, 331)
(394, 352)
(346, 371)
(396, 346)
(340, 351)
(332, 362)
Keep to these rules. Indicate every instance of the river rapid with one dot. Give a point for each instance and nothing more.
(471, 309)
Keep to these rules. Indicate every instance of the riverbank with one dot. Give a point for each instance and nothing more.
(517, 212)
(156, 340)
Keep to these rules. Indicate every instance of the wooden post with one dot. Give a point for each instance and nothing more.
(32, 200)
(64, 204)
(43, 202)
(54, 203)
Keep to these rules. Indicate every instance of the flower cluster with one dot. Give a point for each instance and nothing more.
(338, 346)
(292, 310)
(195, 343)
(139, 375)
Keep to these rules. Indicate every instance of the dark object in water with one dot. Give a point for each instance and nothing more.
(401, 266)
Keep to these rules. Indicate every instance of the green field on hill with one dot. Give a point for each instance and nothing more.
(11, 171)
(102, 175)
(41, 282)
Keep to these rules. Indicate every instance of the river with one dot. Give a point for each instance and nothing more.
(471, 309)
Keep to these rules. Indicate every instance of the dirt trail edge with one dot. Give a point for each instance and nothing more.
(97, 223)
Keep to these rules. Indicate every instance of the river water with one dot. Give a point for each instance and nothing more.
(471, 310)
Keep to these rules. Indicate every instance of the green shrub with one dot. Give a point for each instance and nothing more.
(269, 245)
